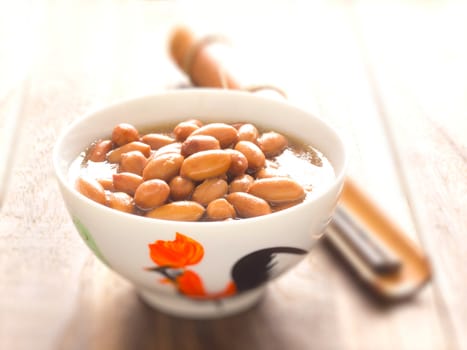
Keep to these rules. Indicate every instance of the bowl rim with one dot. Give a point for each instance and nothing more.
(66, 184)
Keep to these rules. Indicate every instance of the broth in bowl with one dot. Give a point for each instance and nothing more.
(200, 171)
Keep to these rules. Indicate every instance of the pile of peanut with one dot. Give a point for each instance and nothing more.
(210, 172)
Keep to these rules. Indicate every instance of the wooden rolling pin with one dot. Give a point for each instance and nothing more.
(375, 247)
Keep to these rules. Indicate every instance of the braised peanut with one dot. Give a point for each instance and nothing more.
(151, 194)
(209, 190)
(277, 190)
(238, 163)
(115, 155)
(99, 150)
(156, 141)
(164, 167)
(197, 143)
(209, 172)
(170, 148)
(178, 211)
(124, 133)
(120, 201)
(108, 184)
(132, 162)
(253, 154)
(206, 164)
(247, 132)
(241, 183)
(126, 182)
(224, 133)
(220, 209)
(91, 189)
(185, 129)
(181, 188)
(272, 143)
(247, 206)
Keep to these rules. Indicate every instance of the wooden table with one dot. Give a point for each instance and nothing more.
(392, 76)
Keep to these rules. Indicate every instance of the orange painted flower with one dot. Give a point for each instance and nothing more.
(181, 252)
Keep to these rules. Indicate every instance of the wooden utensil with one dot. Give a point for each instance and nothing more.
(375, 247)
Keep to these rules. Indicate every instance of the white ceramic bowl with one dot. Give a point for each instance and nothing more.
(219, 268)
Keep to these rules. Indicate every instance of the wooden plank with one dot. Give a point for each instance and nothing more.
(419, 74)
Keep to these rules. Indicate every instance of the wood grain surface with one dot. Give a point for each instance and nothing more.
(391, 76)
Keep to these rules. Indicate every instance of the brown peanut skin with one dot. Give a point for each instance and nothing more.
(185, 129)
(238, 163)
(132, 162)
(126, 182)
(241, 183)
(247, 205)
(220, 209)
(156, 141)
(209, 190)
(99, 151)
(108, 184)
(247, 132)
(151, 194)
(253, 154)
(124, 133)
(170, 148)
(206, 164)
(178, 211)
(224, 133)
(181, 188)
(164, 167)
(121, 201)
(277, 190)
(272, 143)
(197, 143)
(115, 155)
(91, 188)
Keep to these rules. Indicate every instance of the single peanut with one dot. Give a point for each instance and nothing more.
(156, 141)
(247, 205)
(272, 143)
(170, 148)
(224, 133)
(238, 163)
(241, 183)
(99, 150)
(206, 164)
(253, 154)
(209, 190)
(277, 190)
(151, 194)
(120, 201)
(269, 172)
(107, 183)
(126, 182)
(220, 209)
(115, 155)
(247, 132)
(181, 188)
(132, 162)
(178, 211)
(185, 129)
(164, 167)
(197, 143)
(91, 189)
(124, 133)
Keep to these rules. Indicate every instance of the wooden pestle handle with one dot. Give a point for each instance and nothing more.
(193, 57)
